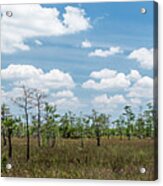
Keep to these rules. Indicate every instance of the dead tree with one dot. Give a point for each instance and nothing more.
(25, 102)
(39, 97)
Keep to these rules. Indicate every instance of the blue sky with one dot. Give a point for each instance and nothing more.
(106, 26)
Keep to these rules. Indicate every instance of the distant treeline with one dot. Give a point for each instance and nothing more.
(48, 126)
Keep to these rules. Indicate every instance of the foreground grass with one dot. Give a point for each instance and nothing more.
(114, 159)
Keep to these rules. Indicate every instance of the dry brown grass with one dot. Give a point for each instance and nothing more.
(114, 159)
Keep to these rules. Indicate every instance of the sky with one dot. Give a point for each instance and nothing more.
(83, 56)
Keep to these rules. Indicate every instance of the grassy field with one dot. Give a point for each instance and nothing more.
(114, 159)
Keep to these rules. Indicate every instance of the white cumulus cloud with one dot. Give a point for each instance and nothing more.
(144, 56)
(104, 73)
(143, 88)
(36, 78)
(64, 94)
(105, 53)
(66, 100)
(86, 44)
(104, 99)
(105, 103)
(29, 21)
(55, 83)
(134, 75)
(107, 79)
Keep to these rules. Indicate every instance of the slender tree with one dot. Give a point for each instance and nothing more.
(105, 124)
(99, 122)
(149, 120)
(129, 120)
(9, 123)
(96, 125)
(140, 127)
(25, 102)
(4, 115)
(80, 126)
(51, 124)
(39, 102)
(67, 121)
(88, 129)
(120, 126)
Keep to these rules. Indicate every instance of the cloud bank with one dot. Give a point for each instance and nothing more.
(29, 21)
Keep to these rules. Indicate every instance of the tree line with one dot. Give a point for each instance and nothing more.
(41, 120)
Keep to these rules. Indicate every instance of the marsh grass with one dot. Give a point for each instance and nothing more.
(114, 159)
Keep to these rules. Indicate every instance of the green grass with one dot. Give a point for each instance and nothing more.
(114, 159)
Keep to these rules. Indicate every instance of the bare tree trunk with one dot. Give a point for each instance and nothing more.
(39, 127)
(25, 102)
(98, 137)
(47, 138)
(39, 137)
(9, 143)
(39, 96)
(98, 141)
(28, 136)
(4, 137)
(129, 136)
